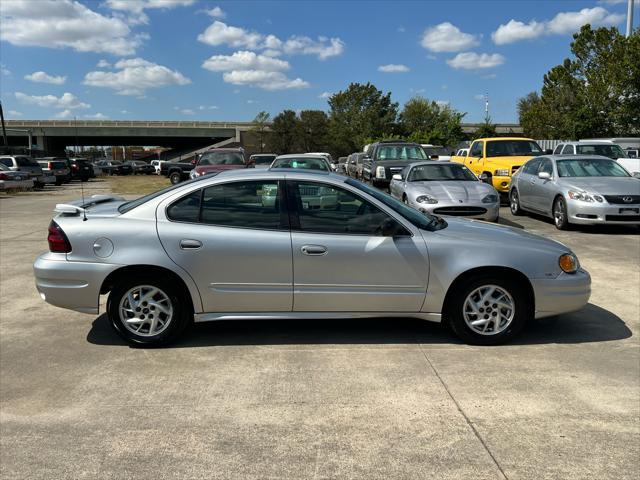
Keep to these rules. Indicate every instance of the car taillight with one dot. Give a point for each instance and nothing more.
(58, 241)
(50, 166)
(4, 176)
(74, 167)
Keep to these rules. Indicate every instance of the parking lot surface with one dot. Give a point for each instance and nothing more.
(388, 398)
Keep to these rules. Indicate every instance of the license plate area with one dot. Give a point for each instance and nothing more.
(629, 211)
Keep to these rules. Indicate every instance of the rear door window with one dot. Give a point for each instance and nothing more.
(568, 150)
(7, 161)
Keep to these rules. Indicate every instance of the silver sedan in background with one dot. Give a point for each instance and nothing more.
(576, 189)
(445, 188)
(262, 244)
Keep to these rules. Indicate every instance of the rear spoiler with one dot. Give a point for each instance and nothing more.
(80, 206)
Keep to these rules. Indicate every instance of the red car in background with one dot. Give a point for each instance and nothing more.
(219, 160)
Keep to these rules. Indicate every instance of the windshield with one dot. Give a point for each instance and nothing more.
(301, 162)
(400, 152)
(221, 158)
(513, 148)
(441, 173)
(263, 159)
(125, 207)
(611, 151)
(435, 151)
(420, 220)
(590, 167)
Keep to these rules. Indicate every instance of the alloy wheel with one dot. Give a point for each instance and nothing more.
(145, 310)
(488, 310)
(515, 202)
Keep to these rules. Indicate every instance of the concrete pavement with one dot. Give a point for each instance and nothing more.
(387, 398)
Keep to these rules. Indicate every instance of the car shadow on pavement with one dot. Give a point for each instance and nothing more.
(591, 324)
(509, 223)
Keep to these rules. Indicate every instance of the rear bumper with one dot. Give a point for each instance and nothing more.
(71, 285)
(563, 294)
(9, 184)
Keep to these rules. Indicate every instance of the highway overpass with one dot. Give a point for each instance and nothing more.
(54, 135)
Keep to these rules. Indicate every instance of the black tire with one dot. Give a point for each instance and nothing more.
(514, 203)
(181, 318)
(175, 178)
(560, 215)
(454, 310)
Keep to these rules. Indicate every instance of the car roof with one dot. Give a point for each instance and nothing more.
(504, 138)
(574, 157)
(590, 142)
(304, 155)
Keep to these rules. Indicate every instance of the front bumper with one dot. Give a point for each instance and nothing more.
(467, 210)
(567, 292)
(71, 285)
(501, 184)
(590, 213)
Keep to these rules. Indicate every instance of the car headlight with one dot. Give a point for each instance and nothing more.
(503, 172)
(491, 198)
(585, 197)
(569, 263)
(426, 199)
(380, 172)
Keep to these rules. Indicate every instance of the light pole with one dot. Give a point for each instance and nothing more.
(630, 17)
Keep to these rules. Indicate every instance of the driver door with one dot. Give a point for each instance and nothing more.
(342, 259)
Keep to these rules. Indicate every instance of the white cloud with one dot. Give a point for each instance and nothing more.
(446, 37)
(65, 24)
(103, 64)
(431, 57)
(96, 116)
(263, 79)
(185, 111)
(393, 68)
(443, 103)
(219, 33)
(64, 114)
(66, 101)
(125, 112)
(401, 29)
(479, 96)
(325, 95)
(216, 12)
(137, 7)
(42, 77)
(209, 107)
(514, 31)
(244, 60)
(14, 113)
(475, 61)
(562, 23)
(134, 76)
(4, 70)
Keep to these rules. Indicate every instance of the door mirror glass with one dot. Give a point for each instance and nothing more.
(397, 176)
(544, 175)
(483, 177)
(636, 175)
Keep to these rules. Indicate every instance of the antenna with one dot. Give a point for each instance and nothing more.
(486, 104)
(84, 211)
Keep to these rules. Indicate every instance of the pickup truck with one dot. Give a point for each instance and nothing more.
(177, 171)
(495, 160)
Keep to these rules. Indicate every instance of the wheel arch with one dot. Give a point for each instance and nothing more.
(150, 270)
(503, 272)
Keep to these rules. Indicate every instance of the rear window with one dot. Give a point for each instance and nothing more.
(26, 162)
(263, 159)
(58, 164)
(221, 158)
(400, 152)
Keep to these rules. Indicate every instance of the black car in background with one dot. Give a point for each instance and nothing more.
(58, 166)
(140, 167)
(114, 167)
(81, 169)
(385, 159)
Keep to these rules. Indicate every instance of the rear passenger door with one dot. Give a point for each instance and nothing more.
(544, 190)
(342, 262)
(234, 241)
(526, 183)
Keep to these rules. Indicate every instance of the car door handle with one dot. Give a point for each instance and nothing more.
(313, 249)
(188, 244)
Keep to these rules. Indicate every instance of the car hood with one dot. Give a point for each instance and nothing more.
(396, 163)
(479, 233)
(603, 185)
(507, 162)
(217, 168)
(452, 190)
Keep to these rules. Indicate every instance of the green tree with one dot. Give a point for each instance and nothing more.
(313, 130)
(285, 128)
(486, 129)
(260, 128)
(425, 121)
(359, 113)
(595, 93)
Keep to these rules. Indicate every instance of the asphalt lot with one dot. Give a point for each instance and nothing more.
(325, 399)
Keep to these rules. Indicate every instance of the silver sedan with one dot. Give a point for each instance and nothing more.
(275, 244)
(576, 189)
(445, 188)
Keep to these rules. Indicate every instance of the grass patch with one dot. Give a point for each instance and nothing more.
(136, 184)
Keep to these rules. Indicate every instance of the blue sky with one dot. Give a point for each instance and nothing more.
(201, 60)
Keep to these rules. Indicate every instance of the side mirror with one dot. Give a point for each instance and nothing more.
(483, 177)
(544, 175)
(548, 151)
(194, 161)
(636, 175)
(397, 176)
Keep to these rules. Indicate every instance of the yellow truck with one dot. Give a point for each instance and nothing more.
(495, 159)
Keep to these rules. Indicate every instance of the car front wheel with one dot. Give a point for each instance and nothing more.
(560, 215)
(488, 310)
(175, 178)
(147, 311)
(514, 202)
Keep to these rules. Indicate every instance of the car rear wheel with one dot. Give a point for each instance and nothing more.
(175, 178)
(488, 310)
(514, 202)
(148, 311)
(560, 216)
